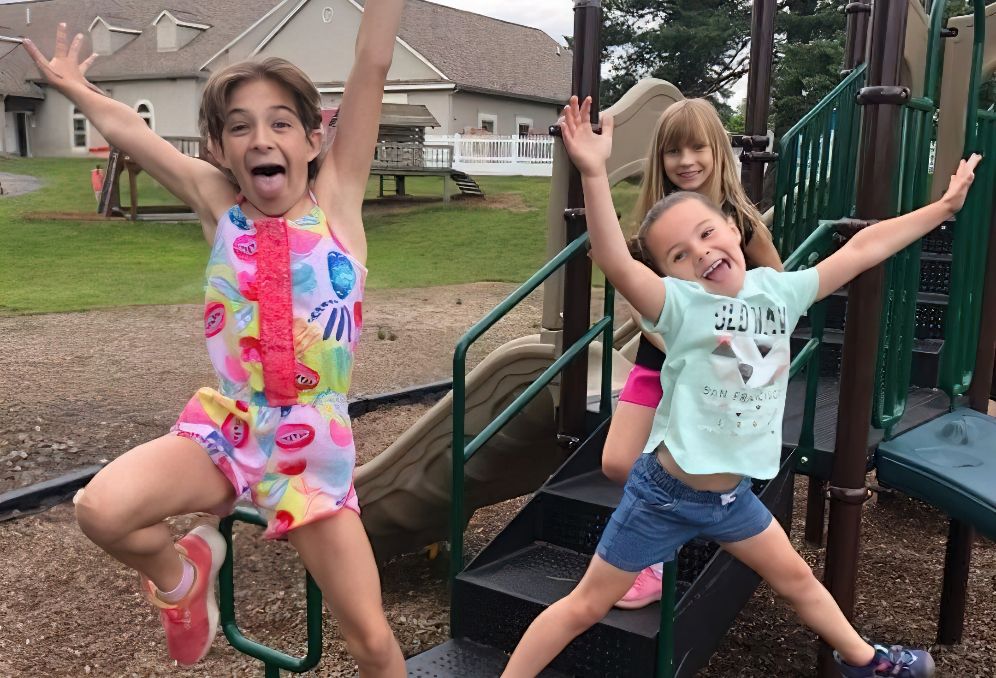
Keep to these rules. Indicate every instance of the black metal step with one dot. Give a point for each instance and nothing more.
(521, 572)
(923, 372)
(463, 659)
(922, 404)
(505, 596)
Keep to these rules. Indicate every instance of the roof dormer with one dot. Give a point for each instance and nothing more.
(175, 29)
(111, 34)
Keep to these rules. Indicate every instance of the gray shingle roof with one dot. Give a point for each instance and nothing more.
(15, 68)
(489, 54)
(140, 57)
(474, 51)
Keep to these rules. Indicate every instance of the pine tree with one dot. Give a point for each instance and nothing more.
(700, 46)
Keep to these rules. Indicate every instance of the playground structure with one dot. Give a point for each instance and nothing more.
(511, 427)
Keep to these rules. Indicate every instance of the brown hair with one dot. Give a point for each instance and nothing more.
(221, 84)
(687, 123)
(656, 212)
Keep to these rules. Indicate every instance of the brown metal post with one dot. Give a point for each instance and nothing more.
(762, 41)
(961, 536)
(577, 272)
(985, 354)
(854, 56)
(880, 147)
(857, 33)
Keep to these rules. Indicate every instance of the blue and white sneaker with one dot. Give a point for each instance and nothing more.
(895, 661)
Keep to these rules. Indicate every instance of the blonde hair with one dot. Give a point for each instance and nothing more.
(687, 123)
(221, 84)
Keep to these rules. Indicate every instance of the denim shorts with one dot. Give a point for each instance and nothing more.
(658, 514)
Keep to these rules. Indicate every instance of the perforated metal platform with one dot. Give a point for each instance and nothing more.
(462, 659)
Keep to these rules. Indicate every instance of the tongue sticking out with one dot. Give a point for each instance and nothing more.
(269, 182)
(719, 271)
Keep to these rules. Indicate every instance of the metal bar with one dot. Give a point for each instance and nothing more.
(458, 445)
(762, 40)
(954, 587)
(608, 311)
(985, 351)
(802, 359)
(541, 381)
(879, 148)
(665, 637)
(273, 660)
(577, 274)
(857, 35)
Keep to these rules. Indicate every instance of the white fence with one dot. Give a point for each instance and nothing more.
(498, 155)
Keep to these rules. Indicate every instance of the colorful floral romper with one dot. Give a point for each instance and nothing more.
(282, 318)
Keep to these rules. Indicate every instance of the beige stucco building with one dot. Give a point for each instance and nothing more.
(469, 70)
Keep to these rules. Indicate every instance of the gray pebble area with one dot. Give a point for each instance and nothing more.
(17, 184)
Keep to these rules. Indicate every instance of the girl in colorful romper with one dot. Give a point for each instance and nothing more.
(284, 288)
(690, 151)
(719, 422)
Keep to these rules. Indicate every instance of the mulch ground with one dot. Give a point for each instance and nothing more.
(79, 388)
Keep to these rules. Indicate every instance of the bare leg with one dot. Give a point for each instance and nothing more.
(628, 434)
(337, 553)
(601, 586)
(123, 508)
(771, 555)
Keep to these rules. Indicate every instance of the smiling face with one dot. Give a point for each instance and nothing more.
(688, 166)
(692, 241)
(266, 146)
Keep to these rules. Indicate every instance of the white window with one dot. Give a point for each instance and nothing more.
(488, 122)
(523, 126)
(144, 109)
(80, 129)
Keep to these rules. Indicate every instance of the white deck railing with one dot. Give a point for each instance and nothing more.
(498, 155)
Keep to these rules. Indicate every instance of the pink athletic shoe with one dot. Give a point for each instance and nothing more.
(644, 591)
(192, 623)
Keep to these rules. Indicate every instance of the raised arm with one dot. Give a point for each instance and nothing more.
(193, 181)
(589, 151)
(873, 245)
(342, 179)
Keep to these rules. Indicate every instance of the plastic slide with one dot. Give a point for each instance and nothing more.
(405, 490)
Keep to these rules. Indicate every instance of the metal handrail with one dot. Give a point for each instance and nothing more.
(273, 660)
(463, 450)
(971, 235)
(815, 177)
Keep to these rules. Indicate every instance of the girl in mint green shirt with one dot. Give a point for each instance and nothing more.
(727, 333)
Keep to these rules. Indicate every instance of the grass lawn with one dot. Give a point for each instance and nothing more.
(68, 264)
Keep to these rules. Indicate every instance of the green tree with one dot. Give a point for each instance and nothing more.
(809, 54)
(700, 46)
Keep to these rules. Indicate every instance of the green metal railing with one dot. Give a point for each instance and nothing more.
(273, 660)
(898, 320)
(462, 449)
(961, 331)
(971, 234)
(816, 160)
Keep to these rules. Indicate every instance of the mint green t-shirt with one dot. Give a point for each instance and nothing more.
(726, 371)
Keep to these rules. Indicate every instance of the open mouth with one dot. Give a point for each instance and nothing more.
(268, 170)
(717, 266)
